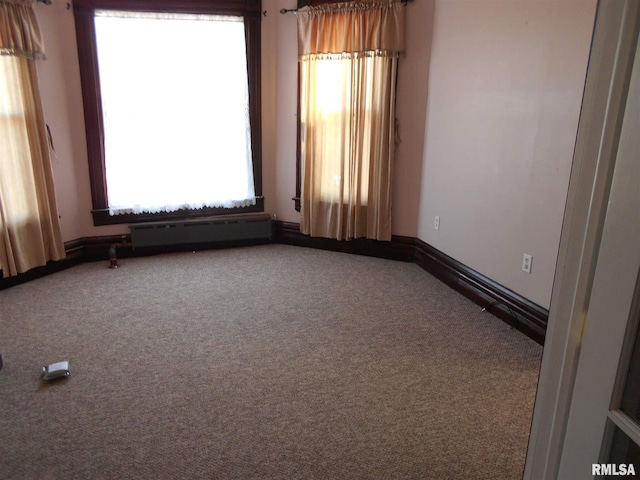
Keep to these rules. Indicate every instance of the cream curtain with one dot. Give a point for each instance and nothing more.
(348, 64)
(19, 30)
(29, 228)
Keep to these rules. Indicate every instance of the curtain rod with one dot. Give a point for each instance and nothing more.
(295, 10)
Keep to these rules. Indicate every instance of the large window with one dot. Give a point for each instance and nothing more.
(172, 107)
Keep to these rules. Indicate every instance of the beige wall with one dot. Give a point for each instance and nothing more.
(59, 78)
(280, 87)
(489, 151)
(504, 99)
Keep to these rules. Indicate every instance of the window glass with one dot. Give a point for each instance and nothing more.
(14, 146)
(166, 85)
(175, 106)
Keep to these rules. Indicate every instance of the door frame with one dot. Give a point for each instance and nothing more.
(613, 47)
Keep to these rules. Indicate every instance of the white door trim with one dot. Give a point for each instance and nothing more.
(609, 71)
(611, 309)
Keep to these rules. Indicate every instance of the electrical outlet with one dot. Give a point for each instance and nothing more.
(526, 263)
(436, 223)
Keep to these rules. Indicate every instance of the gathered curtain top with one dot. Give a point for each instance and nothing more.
(359, 27)
(19, 30)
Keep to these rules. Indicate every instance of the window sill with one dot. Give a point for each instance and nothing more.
(102, 217)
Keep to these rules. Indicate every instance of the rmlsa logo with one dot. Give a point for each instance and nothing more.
(613, 469)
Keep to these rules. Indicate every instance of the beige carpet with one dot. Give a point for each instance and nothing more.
(268, 362)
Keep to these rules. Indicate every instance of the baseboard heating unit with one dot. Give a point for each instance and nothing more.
(201, 230)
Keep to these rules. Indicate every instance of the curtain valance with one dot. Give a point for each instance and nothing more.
(355, 27)
(20, 34)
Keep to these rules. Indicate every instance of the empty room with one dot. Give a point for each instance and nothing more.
(307, 238)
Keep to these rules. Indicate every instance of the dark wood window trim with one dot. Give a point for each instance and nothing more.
(84, 10)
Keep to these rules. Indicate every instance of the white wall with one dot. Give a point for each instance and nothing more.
(487, 104)
(504, 98)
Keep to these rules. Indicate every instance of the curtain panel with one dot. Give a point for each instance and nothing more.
(19, 30)
(348, 67)
(29, 226)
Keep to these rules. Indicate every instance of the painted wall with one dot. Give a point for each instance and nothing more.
(59, 80)
(505, 92)
(280, 58)
(488, 102)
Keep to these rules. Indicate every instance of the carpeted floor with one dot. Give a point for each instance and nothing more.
(267, 362)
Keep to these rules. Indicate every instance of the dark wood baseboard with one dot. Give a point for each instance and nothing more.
(73, 257)
(97, 248)
(399, 248)
(38, 272)
(77, 251)
(517, 311)
(93, 249)
(509, 306)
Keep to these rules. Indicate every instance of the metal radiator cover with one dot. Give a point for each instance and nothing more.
(201, 230)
